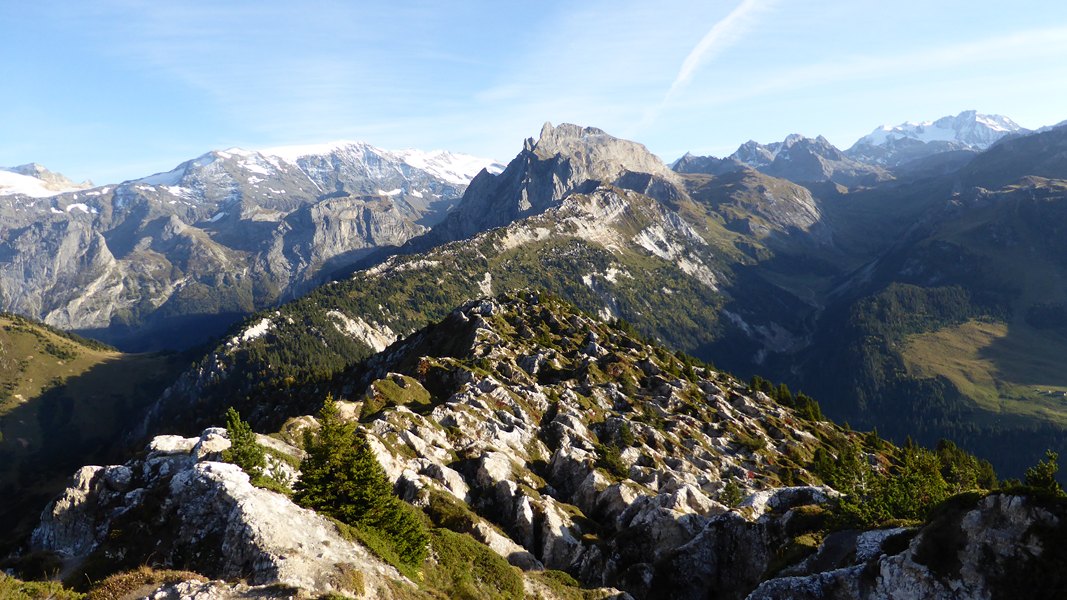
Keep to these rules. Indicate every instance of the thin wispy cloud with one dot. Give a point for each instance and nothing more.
(1014, 49)
(722, 35)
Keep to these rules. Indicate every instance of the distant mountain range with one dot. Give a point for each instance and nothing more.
(878, 156)
(170, 259)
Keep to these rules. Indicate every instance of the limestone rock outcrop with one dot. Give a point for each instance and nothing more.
(179, 506)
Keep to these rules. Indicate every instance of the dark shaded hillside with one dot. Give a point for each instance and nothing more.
(957, 332)
(66, 401)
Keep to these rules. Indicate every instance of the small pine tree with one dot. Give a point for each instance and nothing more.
(244, 450)
(916, 487)
(731, 494)
(341, 477)
(783, 395)
(1042, 476)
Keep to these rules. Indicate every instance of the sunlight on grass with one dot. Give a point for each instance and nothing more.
(995, 365)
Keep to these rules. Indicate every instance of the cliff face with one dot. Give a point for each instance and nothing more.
(565, 159)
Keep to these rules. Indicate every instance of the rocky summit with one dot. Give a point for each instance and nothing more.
(593, 463)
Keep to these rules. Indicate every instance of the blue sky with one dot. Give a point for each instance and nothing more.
(117, 89)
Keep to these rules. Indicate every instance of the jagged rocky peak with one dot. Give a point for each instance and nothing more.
(754, 154)
(808, 160)
(565, 159)
(594, 153)
(710, 165)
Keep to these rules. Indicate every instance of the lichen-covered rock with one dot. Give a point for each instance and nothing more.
(220, 590)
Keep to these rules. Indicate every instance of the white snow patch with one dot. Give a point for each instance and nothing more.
(454, 168)
(258, 330)
(416, 193)
(390, 192)
(255, 168)
(81, 206)
(376, 336)
(274, 191)
(170, 178)
(178, 190)
(174, 176)
(16, 183)
(56, 211)
(217, 216)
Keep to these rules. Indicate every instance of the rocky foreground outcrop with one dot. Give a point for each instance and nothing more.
(179, 506)
(561, 443)
(998, 546)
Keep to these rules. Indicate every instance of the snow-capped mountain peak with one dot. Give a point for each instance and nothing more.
(969, 129)
(452, 167)
(449, 167)
(897, 145)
